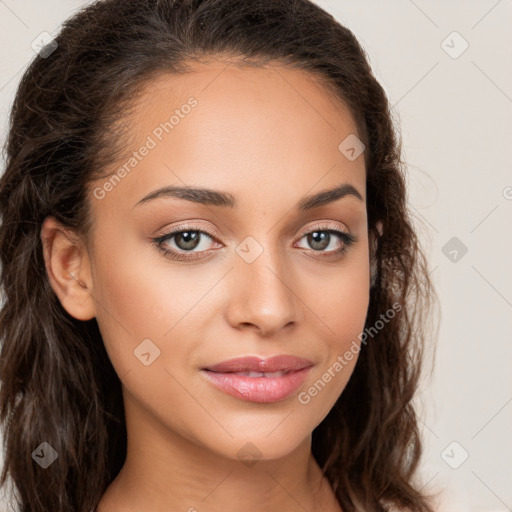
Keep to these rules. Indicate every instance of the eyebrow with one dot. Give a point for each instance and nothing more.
(225, 199)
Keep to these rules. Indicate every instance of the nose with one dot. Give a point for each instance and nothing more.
(262, 295)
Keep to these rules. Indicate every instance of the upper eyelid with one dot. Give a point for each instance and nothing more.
(191, 226)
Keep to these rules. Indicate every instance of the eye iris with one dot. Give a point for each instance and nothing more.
(187, 240)
(319, 237)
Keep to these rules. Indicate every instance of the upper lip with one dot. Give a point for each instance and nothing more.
(257, 364)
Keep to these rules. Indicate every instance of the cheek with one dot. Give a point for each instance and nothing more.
(155, 301)
(342, 303)
(342, 299)
(130, 302)
(145, 329)
(344, 306)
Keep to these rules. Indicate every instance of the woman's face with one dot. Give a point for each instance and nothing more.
(243, 278)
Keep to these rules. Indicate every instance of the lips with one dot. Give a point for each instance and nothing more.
(252, 366)
(259, 380)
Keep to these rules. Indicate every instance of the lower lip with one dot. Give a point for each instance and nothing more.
(258, 389)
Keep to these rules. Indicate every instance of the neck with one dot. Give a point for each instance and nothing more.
(167, 471)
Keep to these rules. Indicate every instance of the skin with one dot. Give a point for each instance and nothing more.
(268, 136)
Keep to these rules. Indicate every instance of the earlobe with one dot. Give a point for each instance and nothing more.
(68, 269)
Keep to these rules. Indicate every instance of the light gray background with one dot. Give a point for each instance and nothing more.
(456, 122)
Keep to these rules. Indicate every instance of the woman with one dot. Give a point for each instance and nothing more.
(214, 295)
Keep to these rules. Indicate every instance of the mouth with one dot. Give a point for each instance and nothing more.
(267, 375)
(259, 380)
(261, 367)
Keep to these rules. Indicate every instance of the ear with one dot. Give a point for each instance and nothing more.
(68, 268)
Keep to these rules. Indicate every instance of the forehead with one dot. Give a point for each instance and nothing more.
(240, 129)
(227, 91)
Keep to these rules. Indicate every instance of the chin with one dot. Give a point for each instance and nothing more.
(261, 444)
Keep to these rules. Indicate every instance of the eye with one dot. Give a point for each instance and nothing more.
(323, 237)
(186, 239)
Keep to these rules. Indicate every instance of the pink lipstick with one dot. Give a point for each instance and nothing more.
(259, 380)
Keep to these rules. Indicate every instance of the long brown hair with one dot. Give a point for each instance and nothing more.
(57, 383)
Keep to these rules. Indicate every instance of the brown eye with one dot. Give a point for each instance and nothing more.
(187, 240)
(324, 237)
(319, 240)
(181, 243)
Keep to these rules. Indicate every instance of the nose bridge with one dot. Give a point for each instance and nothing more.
(262, 293)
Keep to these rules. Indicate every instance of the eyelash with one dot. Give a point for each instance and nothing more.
(347, 238)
